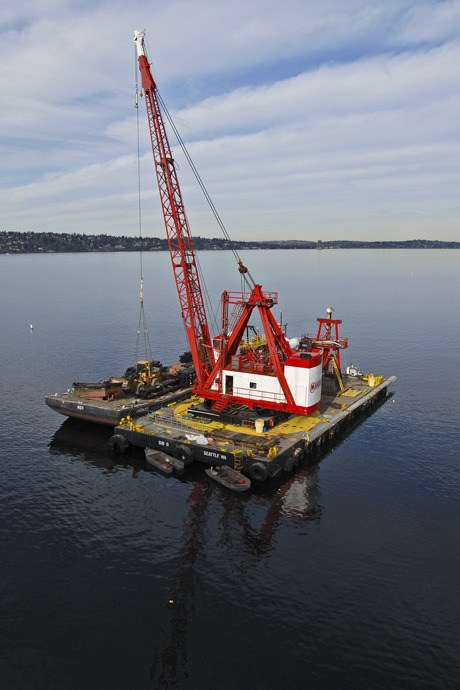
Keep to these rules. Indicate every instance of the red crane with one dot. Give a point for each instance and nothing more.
(273, 373)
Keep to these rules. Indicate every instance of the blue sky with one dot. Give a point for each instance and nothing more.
(306, 120)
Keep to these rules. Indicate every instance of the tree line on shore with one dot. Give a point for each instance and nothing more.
(26, 242)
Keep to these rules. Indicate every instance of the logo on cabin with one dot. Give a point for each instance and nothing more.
(314, 386)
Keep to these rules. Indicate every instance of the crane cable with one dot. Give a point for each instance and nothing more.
(244, 273)
(241, 267)
(210, 307)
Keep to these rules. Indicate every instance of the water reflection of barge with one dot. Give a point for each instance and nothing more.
(248, 524)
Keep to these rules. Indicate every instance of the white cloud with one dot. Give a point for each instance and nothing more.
(333, 119)
(428, 21)
(368, 85)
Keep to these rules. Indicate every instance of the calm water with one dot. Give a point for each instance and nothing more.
(345, 576)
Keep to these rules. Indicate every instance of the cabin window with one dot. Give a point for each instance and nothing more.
(252, 384)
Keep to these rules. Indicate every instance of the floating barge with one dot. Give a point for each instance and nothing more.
(109, 412)
(258, 452)
(261, 403)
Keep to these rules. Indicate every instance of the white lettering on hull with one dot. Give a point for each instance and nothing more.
(212, 454)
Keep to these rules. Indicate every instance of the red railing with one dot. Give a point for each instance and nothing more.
(243, 297)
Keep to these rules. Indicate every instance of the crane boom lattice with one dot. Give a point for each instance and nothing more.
(177, 229)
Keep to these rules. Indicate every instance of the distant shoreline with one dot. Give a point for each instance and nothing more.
(57, 243)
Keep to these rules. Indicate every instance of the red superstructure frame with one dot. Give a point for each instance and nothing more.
(229, 344)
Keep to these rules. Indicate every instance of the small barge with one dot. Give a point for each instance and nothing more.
(163, 462)
(228, 477)
(142, 389)
(110, 412)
